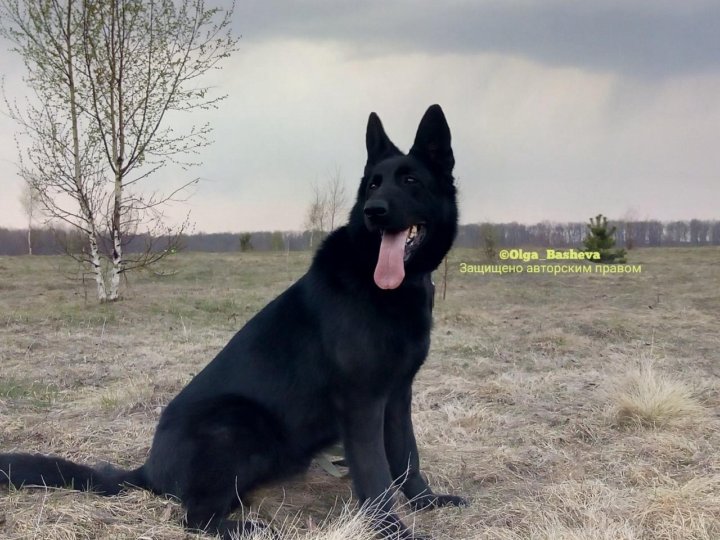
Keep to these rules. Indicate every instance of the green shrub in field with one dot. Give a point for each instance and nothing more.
(601, 238)
(489, 241)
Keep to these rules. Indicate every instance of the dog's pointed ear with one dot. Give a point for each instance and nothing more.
(432, 141)
(377, 142)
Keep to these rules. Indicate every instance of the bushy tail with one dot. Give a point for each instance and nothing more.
(21, 470)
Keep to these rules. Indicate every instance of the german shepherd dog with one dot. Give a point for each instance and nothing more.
(332, 358)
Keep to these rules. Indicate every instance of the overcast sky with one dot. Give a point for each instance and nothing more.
(559, 109)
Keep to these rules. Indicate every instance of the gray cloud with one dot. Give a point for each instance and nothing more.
(635, 37)
(632, 123)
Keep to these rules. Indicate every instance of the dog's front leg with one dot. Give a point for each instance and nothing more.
(362, 427)
(402, 454)
(400, 445)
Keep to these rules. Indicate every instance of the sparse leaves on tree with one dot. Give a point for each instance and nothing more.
(105, 77)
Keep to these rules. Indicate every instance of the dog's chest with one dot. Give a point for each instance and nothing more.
(381, 344)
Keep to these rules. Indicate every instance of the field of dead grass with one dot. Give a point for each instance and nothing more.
(571, 407)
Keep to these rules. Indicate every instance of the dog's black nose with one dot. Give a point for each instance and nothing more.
(376, 208)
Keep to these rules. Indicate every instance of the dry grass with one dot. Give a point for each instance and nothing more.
(648, 397)
(570, 407)
(683, 509)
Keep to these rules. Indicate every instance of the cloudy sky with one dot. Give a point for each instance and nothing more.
(559, 109)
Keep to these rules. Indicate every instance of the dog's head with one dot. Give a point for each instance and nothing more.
(406, 202)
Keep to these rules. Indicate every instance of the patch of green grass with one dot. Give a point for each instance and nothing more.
(216, 305)
(34, 394)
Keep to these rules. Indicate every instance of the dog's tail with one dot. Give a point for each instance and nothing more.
(20, 470)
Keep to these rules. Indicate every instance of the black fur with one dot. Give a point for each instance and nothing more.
(333, 357)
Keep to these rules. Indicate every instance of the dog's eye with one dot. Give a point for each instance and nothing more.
(410, 180)
(374, 183)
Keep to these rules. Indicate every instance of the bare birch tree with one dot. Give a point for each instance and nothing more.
(144, 65)
(107, 75)
(60, 161)
(337, 199)
(315, 218)
(29, 202)
(329, 202)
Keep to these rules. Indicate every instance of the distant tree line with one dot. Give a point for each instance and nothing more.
(629, 234)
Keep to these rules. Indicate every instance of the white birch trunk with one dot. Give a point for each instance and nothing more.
(116, 268)
(118, 153)
(85, 203)
(97, 268)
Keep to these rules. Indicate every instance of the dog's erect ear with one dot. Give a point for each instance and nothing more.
(378, 144)
(432, 141)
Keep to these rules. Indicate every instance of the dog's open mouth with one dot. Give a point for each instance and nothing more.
(396, 248)
(415, 236)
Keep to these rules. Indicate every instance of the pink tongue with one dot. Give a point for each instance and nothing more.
(390, 269)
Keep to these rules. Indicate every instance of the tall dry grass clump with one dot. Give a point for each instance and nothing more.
(644, 396)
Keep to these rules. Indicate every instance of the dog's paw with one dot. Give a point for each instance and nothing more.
(428, 502)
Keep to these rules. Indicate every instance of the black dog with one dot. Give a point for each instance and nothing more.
(333, 357)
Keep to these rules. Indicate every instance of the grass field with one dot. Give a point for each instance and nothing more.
(571, 407)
